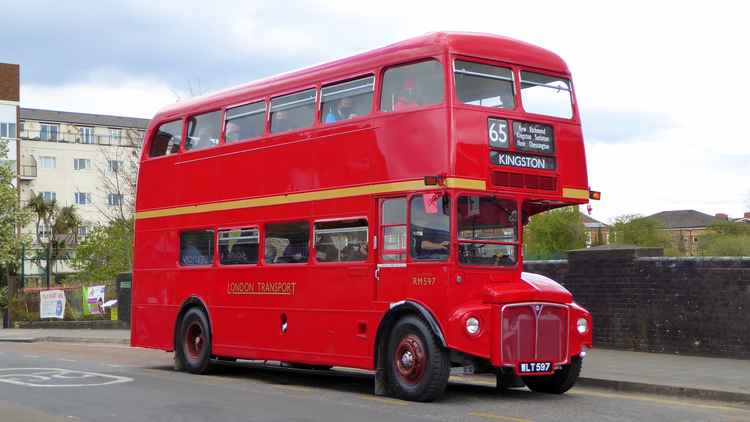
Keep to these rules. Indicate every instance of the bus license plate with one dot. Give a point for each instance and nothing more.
(531, 368)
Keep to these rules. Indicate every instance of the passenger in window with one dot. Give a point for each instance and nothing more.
(281, 121)
(192, 255)
(232, 132)
(326, 250)
(407, 97)
(355, 251)
(342, 110)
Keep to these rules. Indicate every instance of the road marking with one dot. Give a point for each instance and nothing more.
(676, 403)
(67, 360)
(32, 356)
(112, 365)
(497, 417)
(57, 377)
(393, 402)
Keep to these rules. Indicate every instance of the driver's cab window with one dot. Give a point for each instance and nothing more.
(430, 226)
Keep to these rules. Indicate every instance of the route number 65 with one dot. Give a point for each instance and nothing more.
(498, 132)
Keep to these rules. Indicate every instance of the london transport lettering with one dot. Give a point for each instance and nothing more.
(278, 288)
(524, 161)
(534, 137)
(423, 280)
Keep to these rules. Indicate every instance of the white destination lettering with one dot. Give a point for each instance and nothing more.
(520, 161)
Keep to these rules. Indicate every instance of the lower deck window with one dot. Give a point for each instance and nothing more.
(196, 247)
(287, 243)
(239, 246)
(341, 241)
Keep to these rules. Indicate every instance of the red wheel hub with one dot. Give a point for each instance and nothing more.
(195, 340)
(410, 359)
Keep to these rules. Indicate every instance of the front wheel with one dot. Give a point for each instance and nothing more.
(193, 345)
(558, 383)
(417, 366)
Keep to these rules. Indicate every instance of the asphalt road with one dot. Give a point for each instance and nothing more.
(70, 382)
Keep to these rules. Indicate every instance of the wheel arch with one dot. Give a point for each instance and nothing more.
(398, 310)
(191, 302)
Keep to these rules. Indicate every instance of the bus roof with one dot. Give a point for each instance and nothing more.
(471, 44)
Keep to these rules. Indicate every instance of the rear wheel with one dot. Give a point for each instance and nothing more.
(193, 345)
(558, 383)
(417, 366)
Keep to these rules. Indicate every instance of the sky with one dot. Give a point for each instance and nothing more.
(659, 84)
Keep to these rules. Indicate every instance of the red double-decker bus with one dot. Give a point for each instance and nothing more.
(367, 213)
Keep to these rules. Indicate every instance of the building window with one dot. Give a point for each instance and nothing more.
(49, 132)
(81, 164)
(83, 232)
(341, 241)
(115, 135)
(167, 139)
(412, 85)
(7, 130)
(245, 122)
(44, 231)
(47, 162)
(82, 198)
(293, 111)
(346, 100)
(114, 166)
(196, 247)
(49, 196)
(85, 135)
(114, 199)
(203, 131)
(238, 246)
(287, 242)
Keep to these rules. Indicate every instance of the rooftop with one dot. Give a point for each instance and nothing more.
(682, 219)
(83, 118)
(591, 222)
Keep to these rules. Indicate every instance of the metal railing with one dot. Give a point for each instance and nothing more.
(126, 140)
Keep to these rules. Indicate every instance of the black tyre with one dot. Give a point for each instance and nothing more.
(417, 367)
(193, 345)
(562, 380)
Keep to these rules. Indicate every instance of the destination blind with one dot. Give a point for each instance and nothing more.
(523, 161)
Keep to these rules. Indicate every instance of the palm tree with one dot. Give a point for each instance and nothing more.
(61, 227)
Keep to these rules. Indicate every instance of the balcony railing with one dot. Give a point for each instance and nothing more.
(126, 140)
(27, 171)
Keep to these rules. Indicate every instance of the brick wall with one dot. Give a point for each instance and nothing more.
(9, 82)
(650, 303)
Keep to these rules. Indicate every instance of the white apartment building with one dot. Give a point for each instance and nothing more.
(67, 157)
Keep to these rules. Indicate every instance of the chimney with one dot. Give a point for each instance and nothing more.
(722, 216)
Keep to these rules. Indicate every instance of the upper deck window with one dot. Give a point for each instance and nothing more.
(548, 95)
(166, 141)
(293, 111)
(343, 101)
(483, 85)
(203, 131)
(412, 85)
(245, 122)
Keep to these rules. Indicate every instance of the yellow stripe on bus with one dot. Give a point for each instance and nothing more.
(451, 182)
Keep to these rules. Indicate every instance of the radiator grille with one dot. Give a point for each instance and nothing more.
(534, 332)
(528, 181)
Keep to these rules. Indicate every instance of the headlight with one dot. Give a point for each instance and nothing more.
(582, 325)
(472, 326)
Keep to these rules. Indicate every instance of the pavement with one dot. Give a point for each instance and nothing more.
(664, 374)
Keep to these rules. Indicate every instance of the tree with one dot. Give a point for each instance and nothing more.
(105, 252)
(725, 238)
(633, 229)
(548, 235)
(12, 216)
(56, 230)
